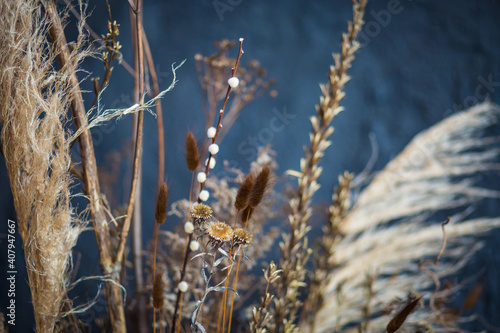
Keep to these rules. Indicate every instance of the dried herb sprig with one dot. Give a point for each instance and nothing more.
(294, 248)
(260, 316)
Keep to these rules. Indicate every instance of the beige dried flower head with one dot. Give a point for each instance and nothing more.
(219, 233)
(242, 237)
(201, 213)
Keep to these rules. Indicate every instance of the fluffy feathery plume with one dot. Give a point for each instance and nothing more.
(33, 113)
(435, 172)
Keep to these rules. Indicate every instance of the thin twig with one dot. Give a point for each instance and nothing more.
(138, 141)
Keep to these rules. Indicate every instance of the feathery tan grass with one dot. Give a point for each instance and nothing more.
(35, 101)
(448, 153)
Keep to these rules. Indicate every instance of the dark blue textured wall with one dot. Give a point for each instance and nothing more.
(420, 61)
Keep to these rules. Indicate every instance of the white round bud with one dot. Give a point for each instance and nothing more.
(211, 132)
(188, 227)
(201, 177)
(204, 195)
(213, 148)
(212, 162)
(233, 82)
(241, 39)
(183, 286)
(194, 245)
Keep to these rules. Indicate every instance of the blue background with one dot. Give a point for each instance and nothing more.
(415, 67)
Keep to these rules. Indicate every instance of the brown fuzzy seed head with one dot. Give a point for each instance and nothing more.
(201, 213)
(192, 155)
(219, 233)
(246, 214)
(158, 292)
(259, 187)
(241, 236)
(244, 192)
(161, 204)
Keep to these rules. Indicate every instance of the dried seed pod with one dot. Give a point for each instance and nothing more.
(242, 237)
(161, 204)
(259, 187)
(201, 213)
(243, 195)
(158, 291)
(192, 154)
(219, 233)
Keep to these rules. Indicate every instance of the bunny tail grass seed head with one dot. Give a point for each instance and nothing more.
(192, 154)
(219, 233)
(242, 237)
(158, 292)
(259, 187)
(243, 195)
(246, 214)
(161, 204)
(201, 213)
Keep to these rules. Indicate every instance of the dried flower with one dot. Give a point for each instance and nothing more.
(192, 155)
(158, 291)
(201, 213)
(161, 204)
(204, 195)
(211, 132)
(242, 237)
(219, 233)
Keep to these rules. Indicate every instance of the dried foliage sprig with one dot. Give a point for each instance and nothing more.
(294, 248)
(326, 248)
(260, 316)
(203, 194)
(35, 145)
(212, 71)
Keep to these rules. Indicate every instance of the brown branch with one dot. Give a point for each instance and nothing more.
(221, 113)
(207, 168)
(90, 176)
